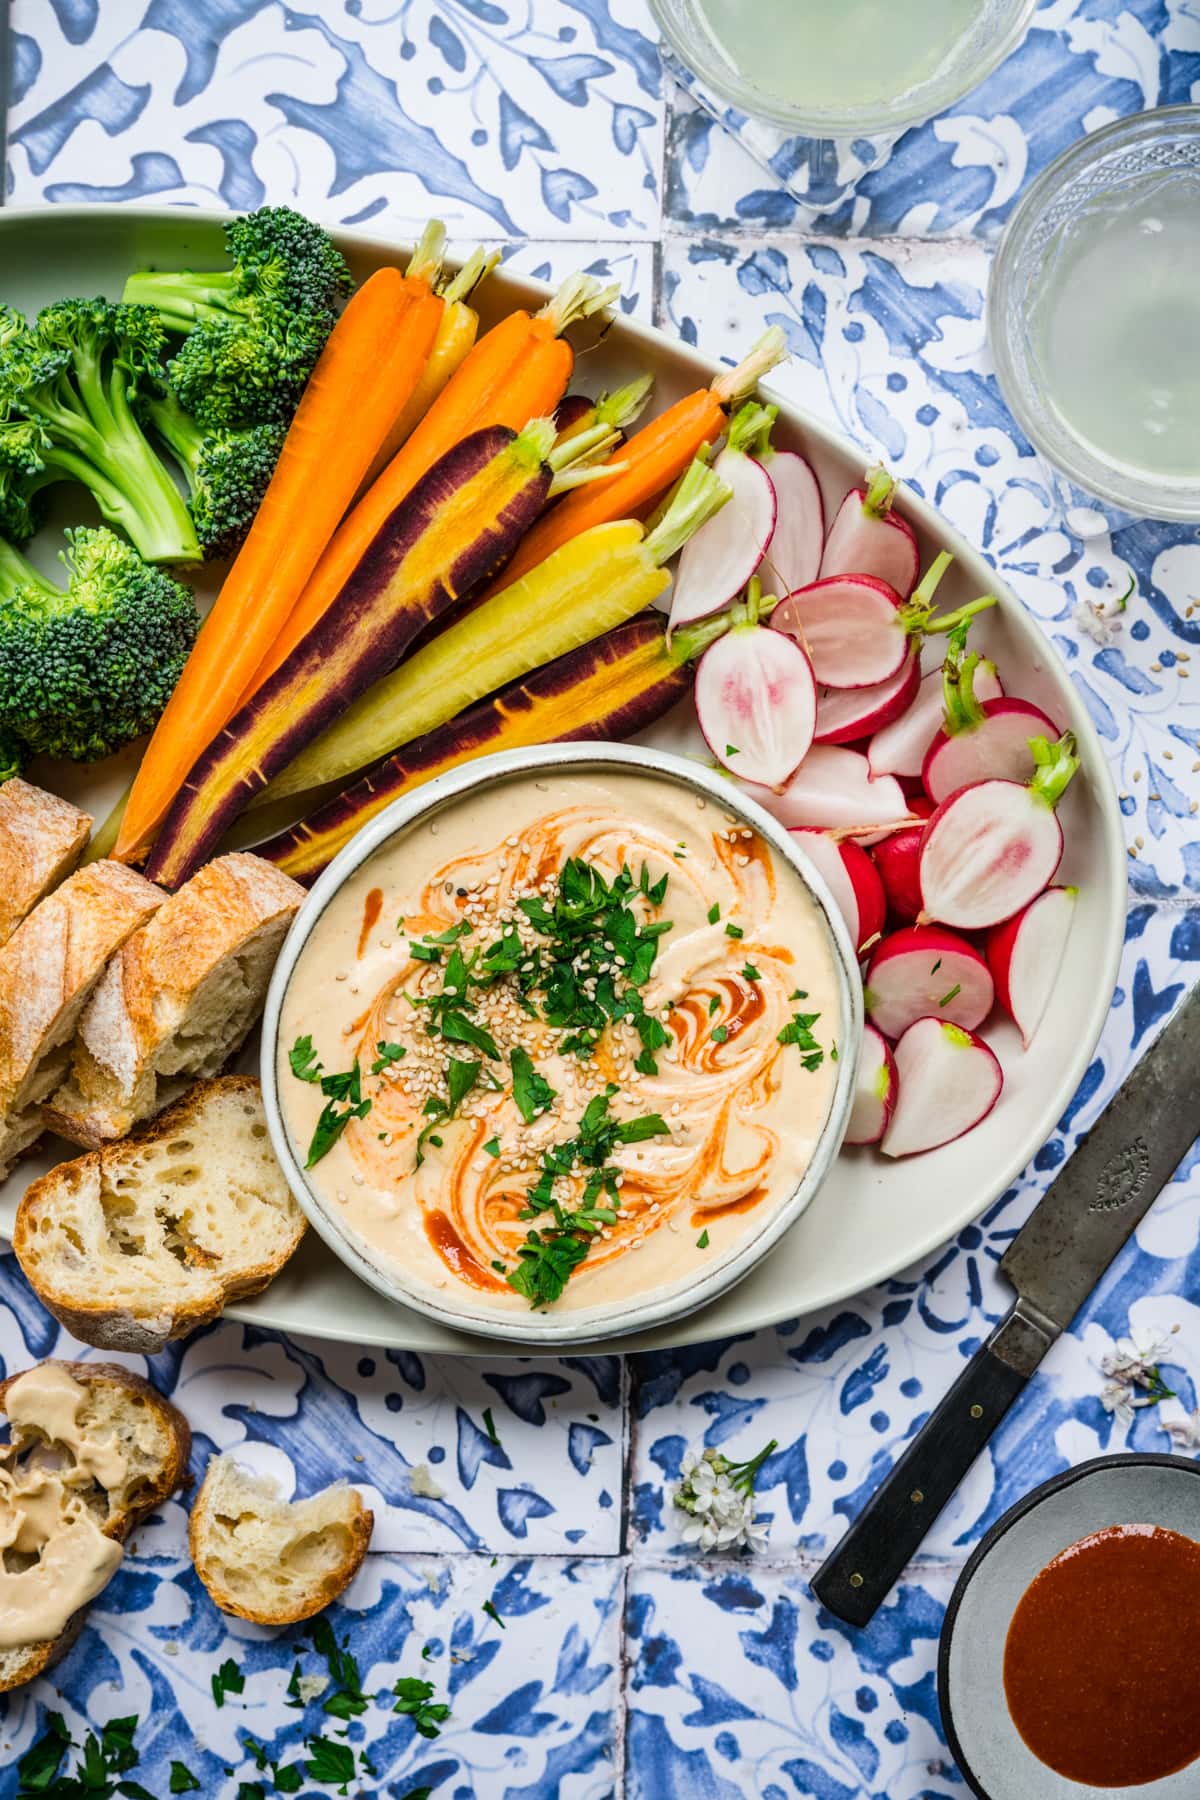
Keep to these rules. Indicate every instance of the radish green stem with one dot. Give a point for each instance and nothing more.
(1055, 764)
(917, 610)
(750, 429)
(962, 615)
(963, 708)
(881, 490)
(691, 641)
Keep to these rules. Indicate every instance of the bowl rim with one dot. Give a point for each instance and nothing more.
(1178, 500)
(617, 1318)
(843, 126)
(1016, 1512)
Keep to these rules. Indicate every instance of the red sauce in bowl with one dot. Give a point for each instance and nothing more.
(1102, 1662)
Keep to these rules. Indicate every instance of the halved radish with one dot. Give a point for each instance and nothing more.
(924, 972)
(846, 714)
(859, 632)
(793, 556)
(998, 744)
(852, 879)
(992, 847)
(874, 1089)
(948, 1079)
(720, 559)
(756, 700)
(868, 538)
(900, 748)
(898, 860)
(1024, 956)
(832, 790)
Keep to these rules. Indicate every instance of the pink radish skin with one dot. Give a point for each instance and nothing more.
(719, 560)
(898, 859)
(1025, 953)
(901, 747)
(756, 702)
(874, 1089)
(991, 848)
(948, 1082)
(852, 879)
(794, 552)
(832, 791)
(997, 746)
(867, 537)
(846, 714)
(924, 972)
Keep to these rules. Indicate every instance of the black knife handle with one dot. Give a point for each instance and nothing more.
(858, 1575)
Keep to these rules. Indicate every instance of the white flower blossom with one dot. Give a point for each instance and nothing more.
(718, 1497)
(1101, 620)
(1184, 1433)
(1136, 1357)
(1122, 1400)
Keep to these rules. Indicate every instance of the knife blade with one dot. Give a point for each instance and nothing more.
(1085, 1216)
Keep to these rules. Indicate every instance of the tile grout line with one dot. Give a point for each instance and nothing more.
(5, 82)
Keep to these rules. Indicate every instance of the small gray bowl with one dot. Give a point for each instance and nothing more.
(665, 1303)
(994, 1759)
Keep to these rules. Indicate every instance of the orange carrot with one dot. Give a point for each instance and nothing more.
(647, 463)
(518, 371)
(367, 370)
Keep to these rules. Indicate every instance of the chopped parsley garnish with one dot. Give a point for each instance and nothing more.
(798, 1031)
(458, 1029)
(750, 972)
(489, 1425)
(461, 1077)
(714, 913)
(428, 953)
(734, 931)
(732, 750)
(303, 1060)
(937, 965)
(415, 1697)
(532, 1093)
(492, 1147)
(955, 991)
(491, 1612)
(227, 1680)
(182, 1780)
(702, 1240)
(329, 1761)
(714, 1005)
(719, 1034)
(343, 1102)
(798, 994)
(386, 1054)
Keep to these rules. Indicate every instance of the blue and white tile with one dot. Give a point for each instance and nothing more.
(888, 342)
(1083, 63)
(356, 110)
(739, 1683)
(843, 1392)
(533, 1700)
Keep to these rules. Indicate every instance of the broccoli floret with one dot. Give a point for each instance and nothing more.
(253, 331)
(71, 388)
(12, 757)
(228, 472)
(82, 671)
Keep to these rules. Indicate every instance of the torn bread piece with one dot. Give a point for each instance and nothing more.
(92, 1450)
(41, 840)
(271, 1560)
(48, 970)
(144, 1241)
(178, 1001)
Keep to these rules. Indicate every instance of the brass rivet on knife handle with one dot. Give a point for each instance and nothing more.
(1055, 1260)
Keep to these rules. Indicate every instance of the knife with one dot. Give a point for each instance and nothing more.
(1086, 1214)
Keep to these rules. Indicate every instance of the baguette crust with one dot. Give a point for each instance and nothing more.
(269, 1560)
(121, 1391)
(41, 840)
(48, 970)
(147, 1240)
(178, 1001)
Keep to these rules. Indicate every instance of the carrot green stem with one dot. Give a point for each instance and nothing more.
(426, 259)
(1054, 766)
(578, 474)
(583, 447)
(533, 445)
(763, 356)
(700, 494)
(625, 404)
(578, 298)
(881, 491)
(474, 270)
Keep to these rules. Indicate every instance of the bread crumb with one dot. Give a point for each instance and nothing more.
(421, 1483)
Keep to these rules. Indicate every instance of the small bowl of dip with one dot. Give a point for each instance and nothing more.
(560, 1045)
(1070, 1656)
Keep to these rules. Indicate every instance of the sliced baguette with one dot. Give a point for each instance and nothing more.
(41, 840)
(270, 1560)
(145, 1241)
(156, 1443)
(48, 969)
(178, 1000)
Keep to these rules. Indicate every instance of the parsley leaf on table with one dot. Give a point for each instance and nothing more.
(414, 1697)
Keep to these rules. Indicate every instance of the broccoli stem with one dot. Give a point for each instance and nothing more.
(17, 571)
(179, 432)
(183, 298)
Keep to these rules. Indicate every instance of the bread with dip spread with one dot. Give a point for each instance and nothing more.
(92, 1450)
(178, 1000)
(146, 1240)
(271, 1560)
(41, 840)
(48, 970)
